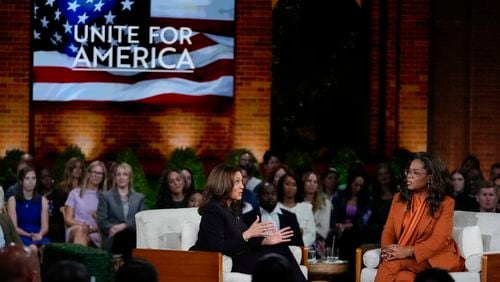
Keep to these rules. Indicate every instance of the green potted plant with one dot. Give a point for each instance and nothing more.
(8, 165)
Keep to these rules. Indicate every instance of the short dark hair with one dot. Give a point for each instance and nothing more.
(67, 271)
(434, 275)
(136, 270)
(272, 268)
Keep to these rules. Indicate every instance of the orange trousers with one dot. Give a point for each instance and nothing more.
(400, 270)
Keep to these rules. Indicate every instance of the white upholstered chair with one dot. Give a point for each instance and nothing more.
(478, 237)
(164, 238)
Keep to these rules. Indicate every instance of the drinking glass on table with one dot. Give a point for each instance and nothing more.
(311, 256)
(332, 254)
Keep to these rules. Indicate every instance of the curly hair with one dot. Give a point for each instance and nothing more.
(439, 183)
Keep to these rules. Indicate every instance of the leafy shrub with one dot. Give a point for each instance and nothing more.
(299, 162)
(187, 158)
(61, 159)
(141, 183)
(344, 158)
(98, 262)
(8, 165)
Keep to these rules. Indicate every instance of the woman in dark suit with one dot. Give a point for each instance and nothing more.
(222, 229)
(417, 234)
(116, 212)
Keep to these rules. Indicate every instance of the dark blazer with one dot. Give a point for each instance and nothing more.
(110, 209)
(222, 231)
(110, 212)
(9, 231)
(286, 219)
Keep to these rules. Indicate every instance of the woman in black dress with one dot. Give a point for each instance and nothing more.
(223, 230)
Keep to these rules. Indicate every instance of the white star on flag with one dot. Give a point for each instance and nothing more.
(82, 18)
(73, 6)
(127, 5)
(109, 18)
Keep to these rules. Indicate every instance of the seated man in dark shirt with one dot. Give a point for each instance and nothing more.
(269, 211)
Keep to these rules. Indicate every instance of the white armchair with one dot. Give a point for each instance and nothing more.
(164, 238)
(478, 239)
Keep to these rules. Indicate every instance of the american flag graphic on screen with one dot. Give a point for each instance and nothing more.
(149, 51)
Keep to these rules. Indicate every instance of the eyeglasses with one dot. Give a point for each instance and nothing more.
(97, 173)
(413, 173)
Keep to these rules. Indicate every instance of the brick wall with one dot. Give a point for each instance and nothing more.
(101, 129)
(465, 86)
(14, 74)
(398, 75)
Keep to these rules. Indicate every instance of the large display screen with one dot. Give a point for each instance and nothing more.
(147, 51)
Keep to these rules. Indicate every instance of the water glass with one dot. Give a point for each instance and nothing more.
(311, 256)
(332, 254)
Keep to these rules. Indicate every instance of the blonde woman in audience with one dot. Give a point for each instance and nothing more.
(291, 199)
(73, 175)
(116, 212)
(81, 207)
(322, 208)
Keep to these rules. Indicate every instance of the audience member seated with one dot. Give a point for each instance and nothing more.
(81, 207)
(277, 172)
(67, 271)
(247, 160)
(269, 211)
(14, 187)
(188, 177)
(272, 159)
(322, 209)
(494, 171)
(433, 275)
(173, 190)
(10, 180)
(194, 200)
(56, 198)
(8, 233)
(383, 189)
(29, 211)
(487, 197)
(330, 180)
(73, 175)
(418, 231)
(222, 230)
(249, 200)
(134, 270)
(272, 268)
(291, 198)
(496, 182)
(116, 212)
(19, 264)
(352, 214)
(465, 200)
(470, 162)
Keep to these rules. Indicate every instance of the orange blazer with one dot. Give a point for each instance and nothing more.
(434, 242)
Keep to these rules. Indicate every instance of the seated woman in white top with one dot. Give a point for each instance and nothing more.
(322, 209)
(290, 199)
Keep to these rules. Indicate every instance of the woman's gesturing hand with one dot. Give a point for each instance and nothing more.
(279, 236)
(259, 229)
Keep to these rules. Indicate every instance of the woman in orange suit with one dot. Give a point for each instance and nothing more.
(417, 233)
